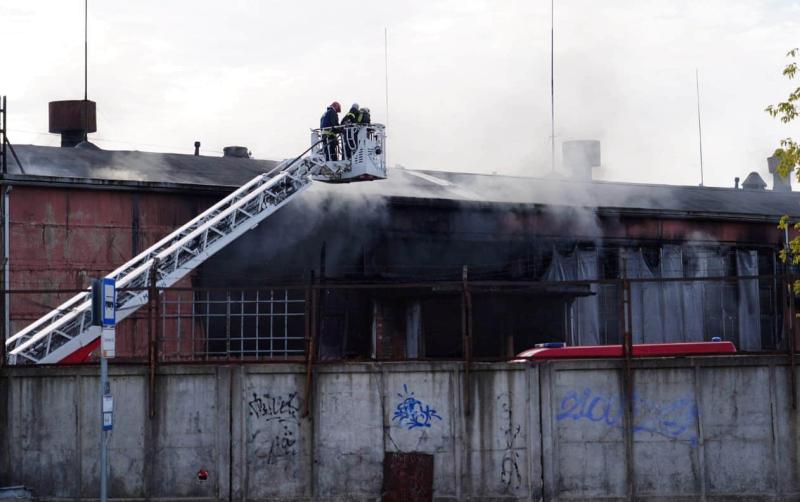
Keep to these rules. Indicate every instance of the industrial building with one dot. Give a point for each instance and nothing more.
(361, 342)
(544, 257)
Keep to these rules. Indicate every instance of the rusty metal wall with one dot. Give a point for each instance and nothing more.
(61, 238)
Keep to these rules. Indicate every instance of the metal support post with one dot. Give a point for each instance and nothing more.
(3, 132)
(152, 303)
(466, 332)
(790, 334)
(7, 259)
(312, 295)
(627, 381)
(789, 314)
(5, 304)
(105, 390)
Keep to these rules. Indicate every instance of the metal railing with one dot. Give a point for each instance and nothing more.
(437, 320)
(360, 148)
(206, 324)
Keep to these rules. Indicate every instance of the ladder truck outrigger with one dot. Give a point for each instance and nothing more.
(66, 331)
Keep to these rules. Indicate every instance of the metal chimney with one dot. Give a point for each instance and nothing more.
(239, 152)
(580, 156)
(779, 183)
(73, 119)
(754, 182)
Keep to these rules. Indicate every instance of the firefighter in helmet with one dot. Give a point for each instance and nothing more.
(329, 125)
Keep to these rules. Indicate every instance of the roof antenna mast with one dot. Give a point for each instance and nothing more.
(386, 89)
(85, 70)
(699, 127)
(552, 96)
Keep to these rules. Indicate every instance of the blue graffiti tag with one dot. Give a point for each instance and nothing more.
(411, 413)
(675, 419)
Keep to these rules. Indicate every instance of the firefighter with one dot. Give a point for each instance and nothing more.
(329, 125)
(364, 118)
(349, 131)
(353, 115)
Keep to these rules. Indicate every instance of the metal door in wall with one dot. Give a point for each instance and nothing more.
(407, 477)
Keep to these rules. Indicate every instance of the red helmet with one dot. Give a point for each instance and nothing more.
(336, 106)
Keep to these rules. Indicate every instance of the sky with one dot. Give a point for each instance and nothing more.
(468, 81)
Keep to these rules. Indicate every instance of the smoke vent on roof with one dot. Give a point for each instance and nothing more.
(754, 182)
(239, 152)
(580, 156)
(779, 183)
(73, 119)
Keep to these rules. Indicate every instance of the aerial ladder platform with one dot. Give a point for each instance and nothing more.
(66, 331)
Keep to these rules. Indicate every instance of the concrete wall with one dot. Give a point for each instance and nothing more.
(704, 429)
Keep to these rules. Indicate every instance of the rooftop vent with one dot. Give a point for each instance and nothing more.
(580, 156)
(73, 119)
(754, 182)
(239, 152)
(779, 183)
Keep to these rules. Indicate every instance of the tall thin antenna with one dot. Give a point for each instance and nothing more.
(386, 69)
(699, 127)
(552, 94)
(85, 70)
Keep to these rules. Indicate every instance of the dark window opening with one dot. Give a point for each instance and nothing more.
(506, 324)
(441, 325)
(344, 330)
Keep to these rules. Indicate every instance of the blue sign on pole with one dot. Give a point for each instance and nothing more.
(109, 296)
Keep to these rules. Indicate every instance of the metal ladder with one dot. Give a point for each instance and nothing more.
(67, 329)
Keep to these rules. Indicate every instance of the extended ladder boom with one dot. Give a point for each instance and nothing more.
(67, 328)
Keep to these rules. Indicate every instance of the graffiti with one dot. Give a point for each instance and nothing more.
(509, 471)
(411, 413)
(280, 416)
(281, 447)
(675, 419)
(510, 474)
(275, 408)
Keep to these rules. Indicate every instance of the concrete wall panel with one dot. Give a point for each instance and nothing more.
(349, 434)
(43, 427)
(421, 415)
(184, 439)
(666, 432)
(126, 445)
(589, 449)
(277, 440)
(497, 435)
(737, 413)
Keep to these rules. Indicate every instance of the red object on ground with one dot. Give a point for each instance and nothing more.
(639, 350)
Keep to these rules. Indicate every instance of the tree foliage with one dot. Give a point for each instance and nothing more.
(786, 111)
(789, 155)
